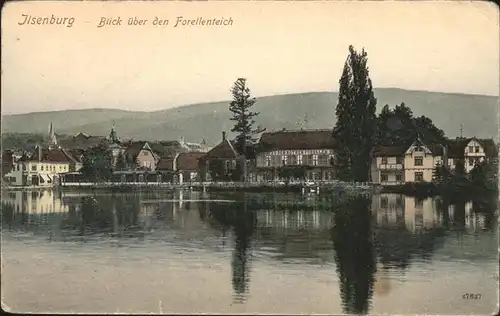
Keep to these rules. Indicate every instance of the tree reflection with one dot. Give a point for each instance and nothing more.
(354, 255)
(242, 220)
(487, 206)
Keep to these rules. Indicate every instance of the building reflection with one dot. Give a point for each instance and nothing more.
(418, 215)
(367, 239)
(36, 201)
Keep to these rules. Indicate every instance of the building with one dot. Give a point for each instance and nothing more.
(420, 161)
(313, 149)
(471, 150)
(183, 166)
(220, 163)
(141, 153)
(392, 165)
(43, 167)
(173, 147)
(388, 165)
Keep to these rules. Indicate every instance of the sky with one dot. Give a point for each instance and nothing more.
(280, 47)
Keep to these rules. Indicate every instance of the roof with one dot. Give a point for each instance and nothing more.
(400, 150)
(297, 139)
(77, 154)
(225, 149)
(135, 148)
(81, 141)
(389, 151)
(456, 147)
(188, 161)
(490, 148)
(57, 155)
(165, 163)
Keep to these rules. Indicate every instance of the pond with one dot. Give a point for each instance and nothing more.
(193, 252)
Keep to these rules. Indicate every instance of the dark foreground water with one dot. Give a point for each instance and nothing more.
(190, 252)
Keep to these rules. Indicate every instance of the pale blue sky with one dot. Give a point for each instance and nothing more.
(279, 47)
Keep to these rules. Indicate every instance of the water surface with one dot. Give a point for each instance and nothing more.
(192, 252)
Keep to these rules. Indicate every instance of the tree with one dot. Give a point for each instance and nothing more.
(121, 164)
(97, 164)
(484, 177)
(356, 120)
(398, 127)
(241, 106)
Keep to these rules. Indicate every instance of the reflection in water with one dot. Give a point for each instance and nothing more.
(377, 241)
(354, 256)
(243, 223)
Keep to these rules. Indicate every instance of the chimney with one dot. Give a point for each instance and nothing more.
(223, 136)
(39, 149)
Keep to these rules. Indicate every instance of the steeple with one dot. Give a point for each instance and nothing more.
(52, 136)
(113, 137)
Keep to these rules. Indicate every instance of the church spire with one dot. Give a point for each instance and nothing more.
(52, 136)
(113, 137)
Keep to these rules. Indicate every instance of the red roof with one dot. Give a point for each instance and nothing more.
(224, 149)
(188, 161)
(58, 155)
(165, 163)
(297, 139)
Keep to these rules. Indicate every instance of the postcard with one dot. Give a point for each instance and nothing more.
(250, 157)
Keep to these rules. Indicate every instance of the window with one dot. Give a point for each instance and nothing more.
(268, 161)
(146, 153)
(471, 161)
(384, 177)
(384, 160)
(18, 168)
(419, 176)
(323, 160)
(33, 168)
(399, 160)
(419, 161)
(476, 149)
(471, 149)
(399, 177)
(24, 167)
(284, 160)
(41, 167)
(315, 160)
(299, 159)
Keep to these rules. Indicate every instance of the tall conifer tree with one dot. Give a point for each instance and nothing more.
(241, 106)
(355, 129)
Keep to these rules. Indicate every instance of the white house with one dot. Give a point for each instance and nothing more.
(43, 167)
(392, 165)
(420, 160)
(471, 150)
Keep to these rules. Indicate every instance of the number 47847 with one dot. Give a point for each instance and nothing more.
(471, 296)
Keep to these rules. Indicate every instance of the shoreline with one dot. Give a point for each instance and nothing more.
(213, 186)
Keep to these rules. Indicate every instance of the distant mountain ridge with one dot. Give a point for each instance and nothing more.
(476, 113)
